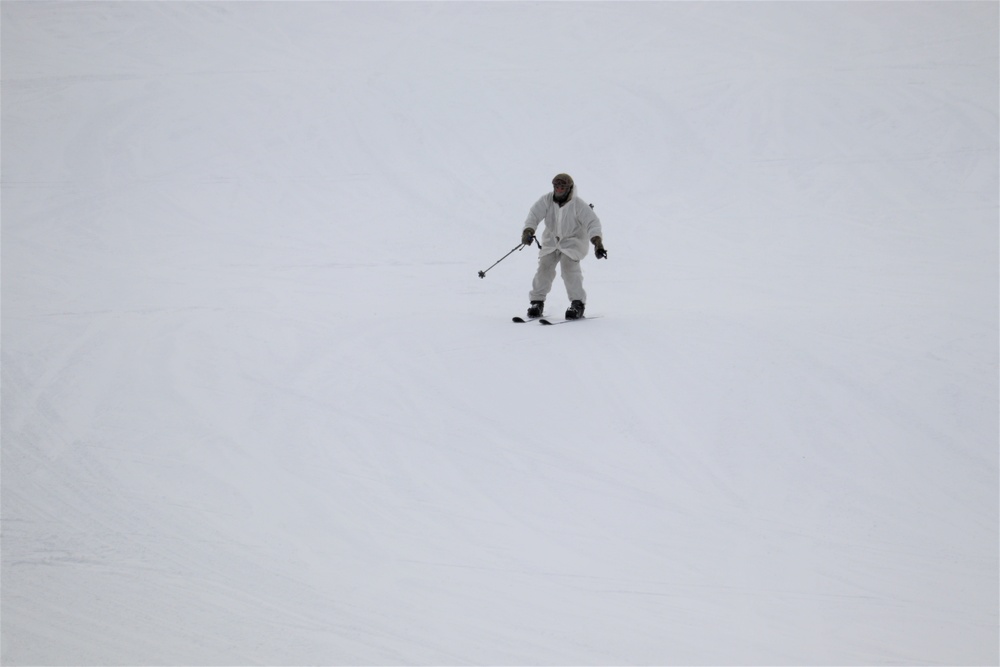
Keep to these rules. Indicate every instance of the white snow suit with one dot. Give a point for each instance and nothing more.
(565, 241)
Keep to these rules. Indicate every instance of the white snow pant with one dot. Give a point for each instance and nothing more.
(572, 277)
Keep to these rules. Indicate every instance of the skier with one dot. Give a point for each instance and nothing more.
(569, 223)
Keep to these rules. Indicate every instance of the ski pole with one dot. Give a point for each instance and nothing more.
(482, 274)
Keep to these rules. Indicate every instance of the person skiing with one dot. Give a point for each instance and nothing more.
(569, 223)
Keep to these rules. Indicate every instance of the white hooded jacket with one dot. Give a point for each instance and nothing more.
(568, 229)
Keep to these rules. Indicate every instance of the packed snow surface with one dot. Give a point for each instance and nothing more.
(258, 407)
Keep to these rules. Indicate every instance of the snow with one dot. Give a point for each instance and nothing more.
(258, 408)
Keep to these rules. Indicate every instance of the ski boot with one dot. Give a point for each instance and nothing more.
(535, 309)
(575, 310)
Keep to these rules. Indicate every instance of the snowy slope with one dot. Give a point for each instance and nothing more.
(257, 408)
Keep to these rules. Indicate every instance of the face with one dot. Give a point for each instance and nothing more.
(560, 187)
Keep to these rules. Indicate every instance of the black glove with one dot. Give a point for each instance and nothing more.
(599, 250)
(527, 236)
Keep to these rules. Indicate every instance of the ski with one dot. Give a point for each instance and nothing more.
(543, 320)
(579, 319)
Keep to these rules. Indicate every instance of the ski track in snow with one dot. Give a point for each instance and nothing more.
(258, 408)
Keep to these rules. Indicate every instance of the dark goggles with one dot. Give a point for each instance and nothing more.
(560, 184)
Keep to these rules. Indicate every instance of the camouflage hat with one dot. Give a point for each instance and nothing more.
(563, 177)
